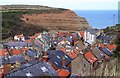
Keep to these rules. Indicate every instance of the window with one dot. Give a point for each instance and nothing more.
(66, 56)
(58, 57)
(84, 65)
(56, 63)
(44, 69)
(28, 74)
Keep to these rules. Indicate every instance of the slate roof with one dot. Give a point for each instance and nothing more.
(13, 59)
(69, 39)
(100, 55)
(39, 69)
(31, 53)
(3, 51)
(106, 51)
(105, 38)
(56, 57)
(19, 44)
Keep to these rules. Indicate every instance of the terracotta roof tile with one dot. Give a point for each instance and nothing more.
(63, 49)
(24, 49)
(3, 52)
(20, 36)
(102, 45)
(111, 47)
(63, 73)
(72, 55)
(16, 52)
(76, 52)
(39, 42)
(90, 57)
(37, 34)
(28, 40)
(60, 33)
(7, 68)
(107, 57)
(82, 33)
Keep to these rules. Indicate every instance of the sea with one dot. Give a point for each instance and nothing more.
(99, 18)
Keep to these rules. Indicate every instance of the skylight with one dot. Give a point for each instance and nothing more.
(56, 63)
(66, 56)
(44, 69)
(29, 74)
(58, 57)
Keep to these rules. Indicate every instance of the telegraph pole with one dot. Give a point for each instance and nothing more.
(114, 20)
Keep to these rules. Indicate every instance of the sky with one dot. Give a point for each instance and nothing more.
(69, 4)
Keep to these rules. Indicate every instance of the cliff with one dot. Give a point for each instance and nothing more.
(33, 18)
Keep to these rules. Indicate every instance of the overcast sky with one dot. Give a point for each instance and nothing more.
(69, 4)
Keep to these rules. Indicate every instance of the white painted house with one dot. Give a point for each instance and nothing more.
(19, 37)
(89, 37)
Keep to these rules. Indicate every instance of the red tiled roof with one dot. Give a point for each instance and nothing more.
(3, 51)
(63, 49)
(72, 55)
(60, 33)
(24, 49)
(76, 52)
(20, 36)
(107, 57)
(63, 73)
(111, 47)
(16, 52)
(6, 68)
(90, 57)
(82, 33)
(75, 42)
(37, 34)
(102, 45)
(39, 42)
(28, 40)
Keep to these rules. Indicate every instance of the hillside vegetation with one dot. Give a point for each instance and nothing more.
(115, 30)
